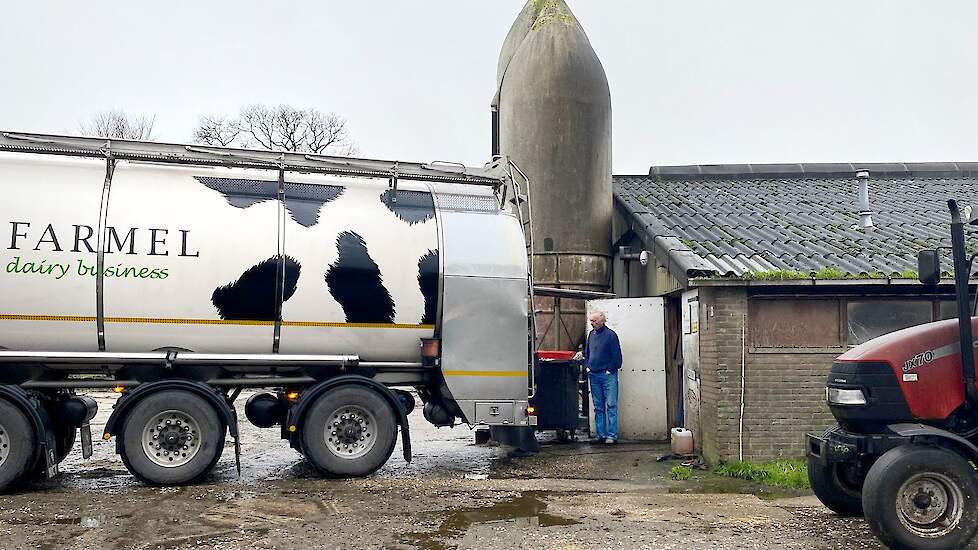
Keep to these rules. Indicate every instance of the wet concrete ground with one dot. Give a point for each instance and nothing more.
(454, 494)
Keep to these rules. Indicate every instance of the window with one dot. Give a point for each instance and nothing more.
(867, 319)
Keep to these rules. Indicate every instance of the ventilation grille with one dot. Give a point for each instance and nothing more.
(469, 203)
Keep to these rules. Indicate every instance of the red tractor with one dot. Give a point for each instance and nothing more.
(905, 449)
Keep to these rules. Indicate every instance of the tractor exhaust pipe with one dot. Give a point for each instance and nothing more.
(962, 273)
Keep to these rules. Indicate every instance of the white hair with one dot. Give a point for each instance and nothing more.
(604, 318)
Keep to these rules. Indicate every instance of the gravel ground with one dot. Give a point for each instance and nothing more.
(454, 494)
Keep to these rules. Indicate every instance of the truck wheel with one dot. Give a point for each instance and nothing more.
(18, 445)
(172, 437)
(918, 497)
(838, 486)
(349, 432)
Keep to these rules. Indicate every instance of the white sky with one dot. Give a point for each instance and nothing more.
(692, 82)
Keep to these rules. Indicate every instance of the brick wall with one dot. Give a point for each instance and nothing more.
(784, 392)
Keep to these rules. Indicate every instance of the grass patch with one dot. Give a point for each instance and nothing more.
(776, 275)
(680, 473)
(779, 473)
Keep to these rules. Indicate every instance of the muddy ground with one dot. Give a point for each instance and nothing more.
(454, 494)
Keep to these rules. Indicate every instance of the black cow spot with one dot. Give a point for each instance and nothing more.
(428, 281)
(241, 193)
(303, 201)
(252, 296)
(355, 282)
(410, 206)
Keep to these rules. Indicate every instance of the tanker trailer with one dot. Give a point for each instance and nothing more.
(181, 275)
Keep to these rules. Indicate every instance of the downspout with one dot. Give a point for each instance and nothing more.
(743, 374)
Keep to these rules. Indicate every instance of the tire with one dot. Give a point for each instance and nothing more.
(171, 438)
(838, 486)
(335, 424)
(18, 446)
(900, 520)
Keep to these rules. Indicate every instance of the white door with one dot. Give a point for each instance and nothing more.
(691, 363)
(640, 325)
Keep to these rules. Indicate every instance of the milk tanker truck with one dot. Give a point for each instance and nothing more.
(181, 275)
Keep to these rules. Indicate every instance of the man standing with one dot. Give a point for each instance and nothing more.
(602, 358)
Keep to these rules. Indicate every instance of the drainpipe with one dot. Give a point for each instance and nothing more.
(494, 122)
(743, 375)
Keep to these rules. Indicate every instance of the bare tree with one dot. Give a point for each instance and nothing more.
(278, 128)
(115, 123)
(216, 130)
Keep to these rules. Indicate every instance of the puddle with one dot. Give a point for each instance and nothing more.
(528, 510)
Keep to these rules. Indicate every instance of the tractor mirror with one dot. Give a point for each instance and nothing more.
(929, 267)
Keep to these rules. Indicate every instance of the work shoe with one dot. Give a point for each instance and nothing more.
(609, 441)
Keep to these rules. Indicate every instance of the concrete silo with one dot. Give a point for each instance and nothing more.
(552, 116)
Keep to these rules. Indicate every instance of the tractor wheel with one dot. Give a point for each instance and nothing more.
(349, 432)
(921, 497)
(172, 437)
(839, 486)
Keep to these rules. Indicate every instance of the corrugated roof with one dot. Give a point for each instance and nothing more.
(732, 220)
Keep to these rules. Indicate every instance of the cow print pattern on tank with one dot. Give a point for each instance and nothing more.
(428, 281)
(303, 201)
(252, 296)
(411, 206)
(354, 280)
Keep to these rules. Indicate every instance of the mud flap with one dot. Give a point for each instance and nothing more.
(521, 438)
(237, 454)
(86, 439)
(50, 456)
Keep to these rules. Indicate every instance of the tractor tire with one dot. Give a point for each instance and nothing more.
(18, 446)
(920, 497)
(349, 432)
(171, 438)
(838, 486)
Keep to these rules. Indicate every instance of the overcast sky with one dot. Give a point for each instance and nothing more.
(692, 82)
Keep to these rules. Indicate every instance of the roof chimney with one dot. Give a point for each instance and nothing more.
(865, 212)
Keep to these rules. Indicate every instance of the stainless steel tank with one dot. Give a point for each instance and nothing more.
(552, 116)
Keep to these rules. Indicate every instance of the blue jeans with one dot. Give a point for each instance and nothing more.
(604, 393)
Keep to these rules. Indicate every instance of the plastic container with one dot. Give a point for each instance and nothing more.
(682, 441)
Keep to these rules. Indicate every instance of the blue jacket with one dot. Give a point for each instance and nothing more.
(602, 352)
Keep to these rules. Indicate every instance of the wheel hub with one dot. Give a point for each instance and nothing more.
(930, 504)
(171, 438)
(349, 433)
(4, 444)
